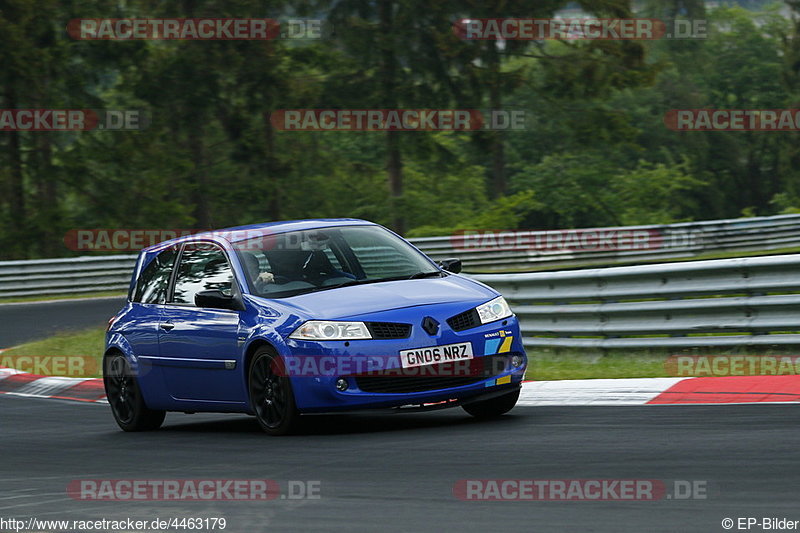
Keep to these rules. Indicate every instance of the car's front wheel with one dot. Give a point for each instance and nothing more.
(271, 395)
(125, 396)
(493, 407)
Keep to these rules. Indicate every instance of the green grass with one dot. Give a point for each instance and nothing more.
(546, 367)
(83, 348)
(41, 298)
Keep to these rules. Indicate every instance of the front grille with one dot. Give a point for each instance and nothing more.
(389, 330)
(399, 385)
(466, 320)
(433, 377)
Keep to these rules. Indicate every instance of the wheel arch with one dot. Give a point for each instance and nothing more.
(116, 343)
(250, 352)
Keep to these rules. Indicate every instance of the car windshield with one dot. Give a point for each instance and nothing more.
(288, 264)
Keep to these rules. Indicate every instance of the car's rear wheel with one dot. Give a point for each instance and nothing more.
(271, 394)
(494, 407)
(125, 397)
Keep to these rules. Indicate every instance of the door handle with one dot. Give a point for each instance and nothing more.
(166, 326)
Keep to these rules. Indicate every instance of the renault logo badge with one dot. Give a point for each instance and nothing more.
(430, 325)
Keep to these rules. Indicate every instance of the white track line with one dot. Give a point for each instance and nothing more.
(637, 391)
(50, 386)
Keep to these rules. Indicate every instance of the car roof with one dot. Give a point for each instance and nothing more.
(240, 233)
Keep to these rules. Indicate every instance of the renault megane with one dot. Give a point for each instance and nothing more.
(284, 319)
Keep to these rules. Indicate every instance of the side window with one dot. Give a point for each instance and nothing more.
(201, 268)
(151, 288)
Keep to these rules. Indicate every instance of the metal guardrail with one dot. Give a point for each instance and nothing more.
(686, 240)
(719, 303)
(76, 275)
(670, 241)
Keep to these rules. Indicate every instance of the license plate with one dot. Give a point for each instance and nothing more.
(436, 354)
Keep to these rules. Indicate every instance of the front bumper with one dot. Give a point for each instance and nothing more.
(491, 344)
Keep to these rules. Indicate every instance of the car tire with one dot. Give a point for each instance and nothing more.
(494, 407)
(271, 395)
(125, 397)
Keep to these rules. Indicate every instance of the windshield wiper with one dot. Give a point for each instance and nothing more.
(349, 283)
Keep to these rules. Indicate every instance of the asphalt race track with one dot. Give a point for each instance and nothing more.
(25, 322)
(396, 472)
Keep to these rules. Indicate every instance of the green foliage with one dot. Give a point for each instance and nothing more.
(573, 189)
(578, 190)
(506, 212)
(595, 150)
(786, 204)
(655, 193)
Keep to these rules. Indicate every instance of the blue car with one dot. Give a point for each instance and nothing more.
(284, 319)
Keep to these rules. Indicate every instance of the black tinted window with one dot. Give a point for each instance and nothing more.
(151, 288)
(201, 268)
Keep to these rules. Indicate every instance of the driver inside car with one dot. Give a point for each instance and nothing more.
(253, 267)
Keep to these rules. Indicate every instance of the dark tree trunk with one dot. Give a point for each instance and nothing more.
(16, 186)
(394, 166)
(394, 161)
(271, 165)
(202, 214)
(47, 201)
(497, 146)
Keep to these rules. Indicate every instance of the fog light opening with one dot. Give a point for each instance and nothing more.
(342, 385)
(516, 361)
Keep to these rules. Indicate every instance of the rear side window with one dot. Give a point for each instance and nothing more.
(201, 268)
(151, 288)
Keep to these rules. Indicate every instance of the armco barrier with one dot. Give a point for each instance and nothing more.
(671, 241)
(76, 275)
(89, 274)
(720, 303)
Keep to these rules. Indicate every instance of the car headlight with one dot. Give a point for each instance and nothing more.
(329, 330)
(494, 310)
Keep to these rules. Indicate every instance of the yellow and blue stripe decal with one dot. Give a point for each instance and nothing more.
(499, 381)
(501, 345)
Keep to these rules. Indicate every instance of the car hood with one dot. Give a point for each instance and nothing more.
(356, 300)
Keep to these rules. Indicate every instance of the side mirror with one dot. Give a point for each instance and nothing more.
(451, 265)
(216, 299)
